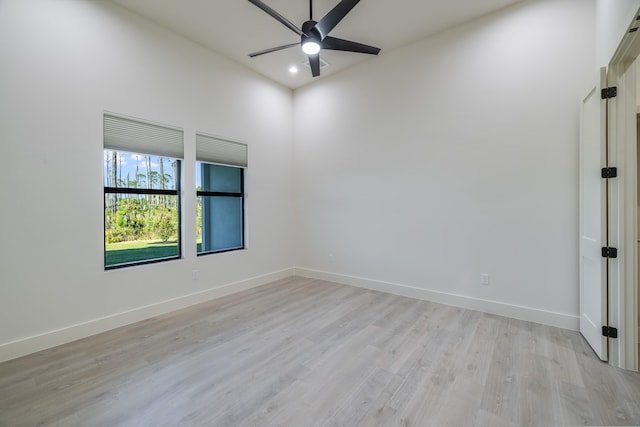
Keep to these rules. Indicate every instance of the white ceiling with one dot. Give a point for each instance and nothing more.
(235, 28)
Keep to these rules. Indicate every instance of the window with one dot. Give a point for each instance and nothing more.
(220, 191)
(141, 173)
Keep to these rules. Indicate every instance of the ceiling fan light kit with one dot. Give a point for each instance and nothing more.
(314, 36)
(311, 47)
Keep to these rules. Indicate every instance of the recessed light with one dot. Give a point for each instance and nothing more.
(293, 69)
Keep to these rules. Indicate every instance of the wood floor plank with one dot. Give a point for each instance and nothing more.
(305, 352)
(575, 405)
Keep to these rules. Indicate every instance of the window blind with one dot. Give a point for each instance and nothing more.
(215, 150)
(126, 134)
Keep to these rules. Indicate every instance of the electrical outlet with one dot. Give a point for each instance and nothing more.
(484, 279)
(330, 258)
(195, 275)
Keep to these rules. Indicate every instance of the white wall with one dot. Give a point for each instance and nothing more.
(63, 63)
(424, 167)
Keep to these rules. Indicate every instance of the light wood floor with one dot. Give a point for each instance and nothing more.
(302, 352)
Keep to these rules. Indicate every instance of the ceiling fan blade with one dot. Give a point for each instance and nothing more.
(272, 49)
(275, 15)
(314, 63)
(335, 15)
(332, 43)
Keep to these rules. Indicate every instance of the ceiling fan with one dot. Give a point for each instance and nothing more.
(314, 36)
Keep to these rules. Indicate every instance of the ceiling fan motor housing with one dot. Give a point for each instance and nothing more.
(309, 29)
(310, 34)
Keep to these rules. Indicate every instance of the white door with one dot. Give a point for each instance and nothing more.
(593, 271)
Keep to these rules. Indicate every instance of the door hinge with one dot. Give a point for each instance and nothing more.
(609, 172)
(609, 92)
(608, 331)
(609, 252)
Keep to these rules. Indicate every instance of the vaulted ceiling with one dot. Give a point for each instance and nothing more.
(235, 28)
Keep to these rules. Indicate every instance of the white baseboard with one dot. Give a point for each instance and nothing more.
(22, 347)
(560, 320)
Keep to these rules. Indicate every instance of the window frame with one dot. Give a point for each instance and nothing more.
(145, 191)
(241, 195)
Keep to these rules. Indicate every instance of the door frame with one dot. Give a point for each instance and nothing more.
(623, 203)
